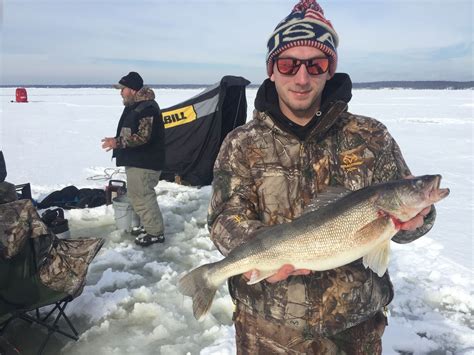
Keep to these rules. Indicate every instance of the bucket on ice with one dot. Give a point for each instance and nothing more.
(125, 216)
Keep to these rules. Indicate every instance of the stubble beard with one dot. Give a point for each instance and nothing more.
(128, 100)
(302, 109)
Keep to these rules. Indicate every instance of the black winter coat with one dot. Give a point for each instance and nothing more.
(150, 155)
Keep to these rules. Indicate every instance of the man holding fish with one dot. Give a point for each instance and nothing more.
(307, 265)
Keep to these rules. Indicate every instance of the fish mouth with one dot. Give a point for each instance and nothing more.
(435, 193)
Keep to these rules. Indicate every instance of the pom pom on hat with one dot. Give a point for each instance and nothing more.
(304, 26)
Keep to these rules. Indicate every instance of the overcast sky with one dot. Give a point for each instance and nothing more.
(199, 41)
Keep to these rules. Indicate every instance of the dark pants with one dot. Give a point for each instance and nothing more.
(255, 335)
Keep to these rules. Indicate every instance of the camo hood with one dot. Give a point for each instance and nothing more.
(144, 94)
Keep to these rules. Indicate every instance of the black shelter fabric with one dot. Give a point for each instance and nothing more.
(3, 168)
(195, 129)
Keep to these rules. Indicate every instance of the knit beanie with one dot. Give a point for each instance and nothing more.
(132, 80)
(304, 26)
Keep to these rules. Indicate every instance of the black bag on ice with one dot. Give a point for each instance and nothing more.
(71, 197)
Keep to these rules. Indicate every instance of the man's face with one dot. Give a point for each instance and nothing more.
(128, 95)
(300, 94)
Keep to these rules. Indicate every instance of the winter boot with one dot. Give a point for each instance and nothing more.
(136, 231)
(146, 239)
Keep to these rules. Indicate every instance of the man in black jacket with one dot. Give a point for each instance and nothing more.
(139, 146)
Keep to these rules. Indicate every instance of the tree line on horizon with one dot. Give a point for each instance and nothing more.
(433, 85)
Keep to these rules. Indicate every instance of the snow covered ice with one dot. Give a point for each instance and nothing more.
(130, 304)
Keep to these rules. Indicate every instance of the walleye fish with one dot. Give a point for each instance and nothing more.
(357, 225)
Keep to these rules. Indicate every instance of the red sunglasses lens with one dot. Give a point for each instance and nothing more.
(290, 66)
(287, 66)
(317, 66)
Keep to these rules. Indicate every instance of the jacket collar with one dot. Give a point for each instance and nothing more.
(144, 94)
(337, 93)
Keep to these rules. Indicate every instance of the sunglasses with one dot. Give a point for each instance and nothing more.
(290, 66)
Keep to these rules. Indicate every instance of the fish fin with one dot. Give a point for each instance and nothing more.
(373, 229)
(196, 284)
(378, 258)
(258, 276)
(326, 197)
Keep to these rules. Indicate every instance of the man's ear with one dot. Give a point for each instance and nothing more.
(272, 77)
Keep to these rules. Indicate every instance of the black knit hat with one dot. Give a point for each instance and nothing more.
(132, 80)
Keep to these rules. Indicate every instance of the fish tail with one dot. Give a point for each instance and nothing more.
(197, 285)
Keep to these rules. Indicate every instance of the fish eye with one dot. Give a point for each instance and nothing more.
(419, 183)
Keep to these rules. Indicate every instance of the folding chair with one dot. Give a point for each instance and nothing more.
(29, 281)
(23, 298)
(50, 321)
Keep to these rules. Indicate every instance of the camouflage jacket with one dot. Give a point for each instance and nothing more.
(61, 263)
(264, 175)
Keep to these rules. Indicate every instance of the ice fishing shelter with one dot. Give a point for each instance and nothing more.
(21, 95)
(195, 129)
